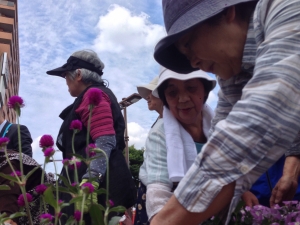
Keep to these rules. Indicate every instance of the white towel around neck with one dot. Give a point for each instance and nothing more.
(181, 148)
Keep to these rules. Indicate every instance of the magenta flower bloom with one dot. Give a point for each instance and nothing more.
(21, 201)
(65, 162)
(111, 203)
(59, 214)
(46, 141)
(49, 152)
(15, 102)
(77, 215)
(94, 96)
(4, 141)
(73, 161)
(76, 125)
(74, 184)
(40, 189)
(60, 201)
(89, 150)
(18, 173)
(46, 216)
(87, 188)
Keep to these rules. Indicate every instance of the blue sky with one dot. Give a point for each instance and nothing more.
(123, 33)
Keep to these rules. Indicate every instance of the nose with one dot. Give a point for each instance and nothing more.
(183, 97)
(195, 62)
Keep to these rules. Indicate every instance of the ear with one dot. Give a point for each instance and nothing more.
(230, 14)
(78, 75)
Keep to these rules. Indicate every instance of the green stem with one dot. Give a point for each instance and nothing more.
(26, 204)
(82, 208)
(106, 215)
(43, 172)
(11, 166)
(56, 188)
(73, 149)
(67, 171)
(20, 148)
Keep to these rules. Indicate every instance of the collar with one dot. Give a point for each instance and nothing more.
(2, 124)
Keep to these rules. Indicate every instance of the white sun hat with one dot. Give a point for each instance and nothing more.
(166, 74)
(146, 89)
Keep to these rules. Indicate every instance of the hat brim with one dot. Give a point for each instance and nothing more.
(145, 90)
(57, 72)
(168, 74)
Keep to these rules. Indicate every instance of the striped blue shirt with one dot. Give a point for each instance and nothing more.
(258, 112)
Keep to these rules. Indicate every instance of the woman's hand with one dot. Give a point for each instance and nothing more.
(10, 222)
(250, 199)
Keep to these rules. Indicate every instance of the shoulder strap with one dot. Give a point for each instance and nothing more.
(6, 130)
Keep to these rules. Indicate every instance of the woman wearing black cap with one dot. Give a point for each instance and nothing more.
(83, 72)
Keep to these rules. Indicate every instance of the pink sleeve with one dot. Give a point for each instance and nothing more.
(102, 120)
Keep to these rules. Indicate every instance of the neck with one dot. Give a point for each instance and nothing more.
(196, 130)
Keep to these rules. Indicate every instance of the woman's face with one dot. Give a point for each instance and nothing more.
(217, 48)
(73, 85)
(185, 99)
(154, 103)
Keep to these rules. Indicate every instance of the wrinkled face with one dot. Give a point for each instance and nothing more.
(73, 85)
(185, 99)
(154, 103)
(214, 48)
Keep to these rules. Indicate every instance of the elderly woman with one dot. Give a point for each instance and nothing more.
(154, 104)
(83, 72)
(253, 47)
(175, 141)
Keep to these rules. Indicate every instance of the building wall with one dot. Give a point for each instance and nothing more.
(9, 50)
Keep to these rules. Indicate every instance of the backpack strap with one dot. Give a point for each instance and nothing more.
(6, 130)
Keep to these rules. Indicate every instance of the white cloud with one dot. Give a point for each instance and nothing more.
(137, 135)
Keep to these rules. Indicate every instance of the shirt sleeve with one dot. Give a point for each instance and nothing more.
(102, 119)
(263, 123)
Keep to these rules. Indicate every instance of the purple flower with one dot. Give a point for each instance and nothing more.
(87, 188)
(4, 141)
(77, 215)
(111, 203)
(18, 173)
(73, 161)
(49, 152)
(40, 189)
(59, 214)
(94, 96)
(46, 216)
(65, 162)
(15, 102)
(76, 125)
(89, 150)
(21, 201)
(46, 141)
(74, 184)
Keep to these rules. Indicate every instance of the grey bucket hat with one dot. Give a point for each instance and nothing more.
(181, 16)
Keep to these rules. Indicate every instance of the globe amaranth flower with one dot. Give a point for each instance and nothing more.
(94, 96)
(74, 184)
(15, 102)
(89, 150)
(65, 162)
(46, 217)
(46, 141)
(40, 189)
(76, 125)
(18, 173)
(74, 161)
(87, 188)
(111, 203)
(77, 215)
(4, 141)
(21, 200)
(49, 152)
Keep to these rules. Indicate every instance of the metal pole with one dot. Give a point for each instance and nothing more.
(126, 138)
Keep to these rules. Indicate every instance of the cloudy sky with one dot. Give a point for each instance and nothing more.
(123, 33)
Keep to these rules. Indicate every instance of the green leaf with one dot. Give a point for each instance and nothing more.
(64, 189)
(17, 214)
(114, 221)
(4, 187)
(2, 215)
(8, 177)
(64, 180)
(71, 221)
(79, 157)
(49, 197)
(76, 199)
(100, 191)
(117, 209)
(31, 172)
(96, 214)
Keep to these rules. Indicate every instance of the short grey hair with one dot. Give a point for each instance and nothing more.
(88, 76)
